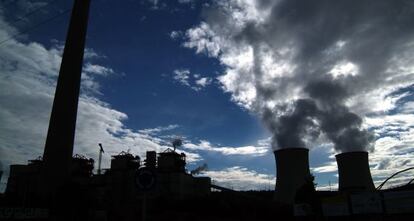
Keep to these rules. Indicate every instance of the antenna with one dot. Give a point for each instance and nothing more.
(101, 151)
(330, 189)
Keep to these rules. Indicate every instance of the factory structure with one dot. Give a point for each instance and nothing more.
(63, 186)
(356, 195)
(115, 189)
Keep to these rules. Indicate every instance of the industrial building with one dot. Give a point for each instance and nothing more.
(113, 191)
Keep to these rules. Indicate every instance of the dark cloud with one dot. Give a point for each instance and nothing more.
(317, 67)
(292, 128)
(324, 113)
(340, 125)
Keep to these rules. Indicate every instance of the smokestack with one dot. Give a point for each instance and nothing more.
(292, 165)
(58, 150)
(354, 173)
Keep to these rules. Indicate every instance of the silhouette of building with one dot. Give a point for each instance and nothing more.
(114, 190)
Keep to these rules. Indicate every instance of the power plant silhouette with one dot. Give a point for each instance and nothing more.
(60, 186)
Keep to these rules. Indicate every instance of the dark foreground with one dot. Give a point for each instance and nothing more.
(251, 205)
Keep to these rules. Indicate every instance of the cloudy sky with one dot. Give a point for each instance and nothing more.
(235, 79)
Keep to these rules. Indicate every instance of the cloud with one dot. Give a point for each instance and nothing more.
(394, 151)
(202, 39)
(204, 145)
(202, 82)
(327, 187)
(182, 76)
(175, 35)
(326, 168)
(158, 130)
(241, 178)
(156, 4)
(97, 69)
(193, 81)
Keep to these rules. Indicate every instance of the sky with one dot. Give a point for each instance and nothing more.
(235, 79)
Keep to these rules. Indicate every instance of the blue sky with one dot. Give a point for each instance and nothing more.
(156, 70)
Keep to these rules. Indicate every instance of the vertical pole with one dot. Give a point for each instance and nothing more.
(58, 150)
(100, 158)
(330, 189)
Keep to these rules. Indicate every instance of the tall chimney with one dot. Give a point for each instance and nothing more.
(292, 165)
(354, 173)
(60, 137)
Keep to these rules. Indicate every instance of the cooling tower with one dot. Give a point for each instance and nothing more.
(292, 167)
(353, 171)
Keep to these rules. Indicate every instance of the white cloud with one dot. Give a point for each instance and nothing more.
(202, 82)
(344, 69)
(241, 178)
(193, 81)
(327, 187)
(182, 76)
(326, 168)
(202, 39)
(156, 4)
(97, 69)
(91, 54)
(158, 130)
(205, 145)
(175, 35)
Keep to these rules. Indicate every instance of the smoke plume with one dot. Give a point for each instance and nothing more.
(199, 169)
(311, 69)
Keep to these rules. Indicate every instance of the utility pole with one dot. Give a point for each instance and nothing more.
(101, 151)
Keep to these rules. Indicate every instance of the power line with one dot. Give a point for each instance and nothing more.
(5, 4)
(385, 181)
(35, 26)
(33, 11)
